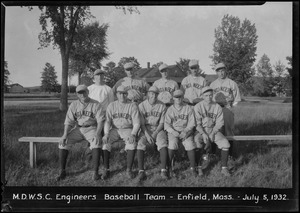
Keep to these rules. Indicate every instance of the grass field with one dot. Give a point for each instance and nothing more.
(258, 164)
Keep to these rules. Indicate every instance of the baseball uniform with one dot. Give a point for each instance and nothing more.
(136, 88)
(191, 86)
(122, 116)
(226, 94)
(101, 93)
(87, 116)
(166, 88)
(152, 116)
(180, 120)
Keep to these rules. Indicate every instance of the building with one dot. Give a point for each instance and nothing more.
(17, 88)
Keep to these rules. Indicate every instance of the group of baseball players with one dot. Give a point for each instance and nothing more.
(195, 115)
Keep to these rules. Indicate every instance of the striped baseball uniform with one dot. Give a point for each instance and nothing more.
(87, 116)
(179, 120)
(210, 117)
(101, 93)
(191, 87)
(136, 88)
(122, 116)
(166, 88)
(152, 116)
(226, 94)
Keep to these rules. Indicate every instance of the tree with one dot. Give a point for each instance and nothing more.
(279, 79)
(235, 46)
(264, 70)
(113, 73)
(49, 79)
(132, 59)
(183, 64)
(6, 76)
(290, 63)
(89, 49)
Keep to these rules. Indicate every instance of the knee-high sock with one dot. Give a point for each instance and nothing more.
(163, 153)
(63, 155)
(106, 155)
(140, 158)
(224, 157)
(130, 159)
(171, 153)
(198, 155)
(96, 152)
(191, 156)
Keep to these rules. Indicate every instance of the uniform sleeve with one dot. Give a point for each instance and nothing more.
(163, 114)
(135, 114)
(108, 115)
(182, 85)
(191, 120)
(236, 93)
(100, 113)
(70, 116)
(198, 116)
(168, 121)
(219, 119)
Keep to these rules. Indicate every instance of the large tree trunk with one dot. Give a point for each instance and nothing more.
(64, 83)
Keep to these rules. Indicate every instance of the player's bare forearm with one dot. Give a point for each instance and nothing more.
(67, 129)
(99, 128)
(107, 126)
(135, 129)
(159, 127)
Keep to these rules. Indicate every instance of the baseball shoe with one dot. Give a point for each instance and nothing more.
(200, 172)
(164, 174)
(225, 172)
(129, 174)
(96, 176)
(141, 176)
(206, 161)
(105, 174)
(193, 171)
(61, 176)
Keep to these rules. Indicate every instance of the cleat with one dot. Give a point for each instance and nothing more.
(105, 174)
(96, 176)
(141, 175)
(61, 176)
(225, 172)
(129, 174)
(164, 174)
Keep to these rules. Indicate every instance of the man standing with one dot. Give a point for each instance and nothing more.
(192, 84)
(136, 88)
(152, 115)
(209, 121)
(89, 116)
(179, 123)
(165, 85)
(227, 95)
(122, 122)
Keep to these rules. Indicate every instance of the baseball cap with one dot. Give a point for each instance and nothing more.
(206, 89)
(178, 93)
(81, 87)
(162, 67)
(128, 65)
(121, 89)
(219, 66)
(193, 63)
(153, 89)
(98, 71)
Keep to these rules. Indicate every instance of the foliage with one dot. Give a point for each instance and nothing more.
(113, 73)
(49, 79)
(183, 64)
(6, 74)
(157, 64)
(130, 9)
(89, 49)
(132, 59)
(235, 46)
(290, 63)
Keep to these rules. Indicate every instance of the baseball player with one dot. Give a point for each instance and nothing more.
(152, 114)
(88, 114)
(166, 86)
(136, 88)
(179, 123)
(209, 121)
(227, 95)
(102, 93)
(192, 84)
(122, 122)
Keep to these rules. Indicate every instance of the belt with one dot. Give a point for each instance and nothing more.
(85, 126)
(191, 104)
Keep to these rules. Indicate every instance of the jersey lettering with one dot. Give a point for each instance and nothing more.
(168, 89)
(152, 113)
(224, 89)
(84, 113)
(182, 117)
(120, 115)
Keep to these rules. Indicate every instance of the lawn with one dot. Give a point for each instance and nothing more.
(258, 164)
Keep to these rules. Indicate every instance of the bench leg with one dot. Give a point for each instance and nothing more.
(32, 154)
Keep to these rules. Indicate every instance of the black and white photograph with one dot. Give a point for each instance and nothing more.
(150, 106)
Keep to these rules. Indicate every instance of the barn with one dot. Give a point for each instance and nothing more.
(16, 88)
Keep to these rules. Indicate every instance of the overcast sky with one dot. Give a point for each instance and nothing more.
(158, 33)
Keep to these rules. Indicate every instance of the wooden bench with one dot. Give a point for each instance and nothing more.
(34, 140)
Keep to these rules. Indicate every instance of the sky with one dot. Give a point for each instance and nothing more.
(158, 33)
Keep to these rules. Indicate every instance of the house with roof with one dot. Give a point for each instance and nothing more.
(16, 88)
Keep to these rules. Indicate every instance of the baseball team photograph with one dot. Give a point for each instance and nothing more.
(150, 96)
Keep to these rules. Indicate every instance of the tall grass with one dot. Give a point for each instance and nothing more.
(259, 164)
